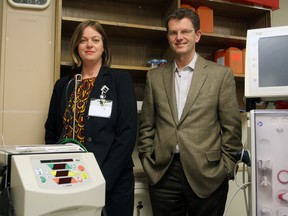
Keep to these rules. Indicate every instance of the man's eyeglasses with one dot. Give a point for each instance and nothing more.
(184, 32)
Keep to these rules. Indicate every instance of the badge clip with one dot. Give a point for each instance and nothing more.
(104, 90)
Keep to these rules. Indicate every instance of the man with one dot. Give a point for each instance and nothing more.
(190, 127)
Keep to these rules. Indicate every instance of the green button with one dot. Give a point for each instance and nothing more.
(43, 179)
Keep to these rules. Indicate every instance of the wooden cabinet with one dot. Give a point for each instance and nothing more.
(136, 31)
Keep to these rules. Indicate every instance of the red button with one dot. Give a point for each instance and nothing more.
(81, 168)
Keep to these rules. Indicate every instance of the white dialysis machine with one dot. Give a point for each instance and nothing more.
(269, 173)
(266, 80)
(50, 180)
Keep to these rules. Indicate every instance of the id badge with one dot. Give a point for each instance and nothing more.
(100, 108)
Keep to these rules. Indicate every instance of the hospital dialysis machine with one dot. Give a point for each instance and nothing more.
(50, 180)
(269, 170)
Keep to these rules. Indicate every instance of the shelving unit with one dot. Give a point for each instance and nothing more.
(136, 31)
(231, 22)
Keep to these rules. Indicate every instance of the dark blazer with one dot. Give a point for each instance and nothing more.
(112, 140)
(208, 132)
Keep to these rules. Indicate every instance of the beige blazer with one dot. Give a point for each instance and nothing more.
(208, 132)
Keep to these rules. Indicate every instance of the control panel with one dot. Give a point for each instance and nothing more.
(61, 173)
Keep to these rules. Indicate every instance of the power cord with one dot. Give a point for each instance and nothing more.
(244, 186)
(6, 206)
(244, 157)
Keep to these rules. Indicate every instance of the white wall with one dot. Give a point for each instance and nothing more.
(26, 72)
(280, 16)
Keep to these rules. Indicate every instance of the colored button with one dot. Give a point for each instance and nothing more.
(43, 179)
(68, 167)
(81, 168)
(73, 173)
(84, 175)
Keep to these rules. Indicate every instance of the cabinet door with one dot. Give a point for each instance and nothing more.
(142, 204)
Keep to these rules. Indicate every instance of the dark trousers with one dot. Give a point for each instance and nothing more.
(120, 201)
(173, 196)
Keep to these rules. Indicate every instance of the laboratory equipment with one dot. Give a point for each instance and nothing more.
(266, 63)
(51, 180)
(269, 164)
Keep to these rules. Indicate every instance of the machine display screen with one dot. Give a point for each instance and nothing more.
(67, 180)
(62, 173)
(57, 166)
(56, 161)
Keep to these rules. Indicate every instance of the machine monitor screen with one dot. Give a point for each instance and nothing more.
(266, 63)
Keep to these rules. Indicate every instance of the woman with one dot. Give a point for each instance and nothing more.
(105, 121)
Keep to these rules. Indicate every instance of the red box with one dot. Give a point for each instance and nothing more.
(272, 4)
